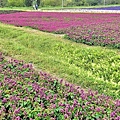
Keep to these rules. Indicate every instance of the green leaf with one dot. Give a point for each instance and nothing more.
(29, 88)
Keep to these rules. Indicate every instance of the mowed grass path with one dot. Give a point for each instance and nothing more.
(87, 66)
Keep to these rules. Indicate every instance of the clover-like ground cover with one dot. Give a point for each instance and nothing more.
(89, 28)
(27, 94)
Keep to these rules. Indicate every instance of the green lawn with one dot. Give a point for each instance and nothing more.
(97, 68)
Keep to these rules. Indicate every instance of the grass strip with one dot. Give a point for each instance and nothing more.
(96, 68)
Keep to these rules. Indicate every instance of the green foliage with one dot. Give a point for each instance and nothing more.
(17, 3)
(28, 3)
(112, 2)
(78, 2)
(51, 2)
(3, 3)
(39, 2)
(21, 3)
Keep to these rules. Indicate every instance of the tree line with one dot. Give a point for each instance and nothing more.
(42, 3)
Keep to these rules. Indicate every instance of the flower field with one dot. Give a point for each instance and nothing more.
(27, 94)
(93, 90)
(89, 28)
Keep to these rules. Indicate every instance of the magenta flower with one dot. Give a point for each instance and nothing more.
(98, 109)
(17, 111)
(17, 118)
(0, 112)
(65, 116)
(113, 114)
(117, 103)
(39, 114)
(4, 100)
(117, 118)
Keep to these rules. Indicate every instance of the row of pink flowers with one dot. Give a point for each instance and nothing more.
(100, 34)
(28, 95)
(96, 23)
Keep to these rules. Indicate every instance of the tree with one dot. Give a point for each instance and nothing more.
(38, 2)
(28, 3)
(51, 2)
(3, 3)
(94, 2)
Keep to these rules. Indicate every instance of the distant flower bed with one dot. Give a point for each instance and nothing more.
(89, 28)
(107, 8)
(8, 11)
(26, 94)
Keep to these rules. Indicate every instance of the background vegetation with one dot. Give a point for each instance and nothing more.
(43, 3)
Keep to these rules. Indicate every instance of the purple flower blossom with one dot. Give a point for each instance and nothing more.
(62, 111)
(0, 84)
(54, 106)
(113, 114)
(45, 115)
(98, 109)
(4, 100)
(0, 112)
(17, 111)
(17, 118)
(65, 116)
(117, 103)
(39, 114)
(117, 118)
(66, 109)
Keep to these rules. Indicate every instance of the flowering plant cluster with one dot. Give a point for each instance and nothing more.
(27, 94)
(90, 28)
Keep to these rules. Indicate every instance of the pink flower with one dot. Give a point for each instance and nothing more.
(65, 116)
(113, 114)
(17, 118)
(4, 100)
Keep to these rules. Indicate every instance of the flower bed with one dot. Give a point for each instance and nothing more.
(100, 34)
(26, 94)
(89, 28)
(107, 8)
